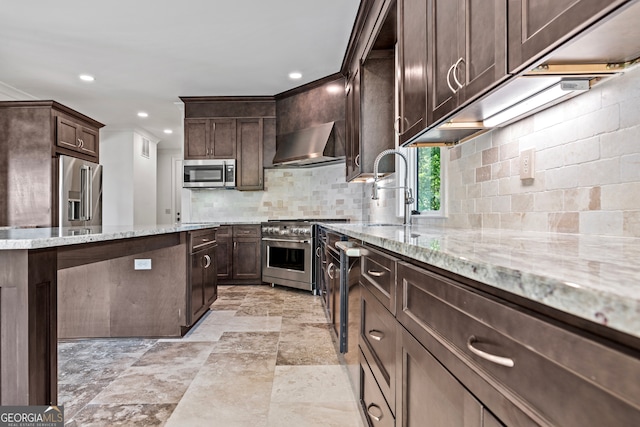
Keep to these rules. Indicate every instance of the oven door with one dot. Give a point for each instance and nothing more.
(287, 263)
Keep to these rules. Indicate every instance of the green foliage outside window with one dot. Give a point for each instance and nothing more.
(428, 197)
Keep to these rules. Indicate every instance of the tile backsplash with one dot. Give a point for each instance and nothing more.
(586, 180)
(587, 168)
(319, 192)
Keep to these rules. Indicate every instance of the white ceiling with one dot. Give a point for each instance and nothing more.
(144, 54)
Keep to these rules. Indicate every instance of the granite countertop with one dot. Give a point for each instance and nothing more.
(593, 277)
(37, 238)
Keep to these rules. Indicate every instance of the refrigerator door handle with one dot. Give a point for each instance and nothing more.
(86, 190)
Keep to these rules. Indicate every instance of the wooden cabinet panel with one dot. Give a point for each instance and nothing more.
(535, 360)
(373, 402)
(352, 122)
(378, 275)
(72, 135)
(239, 254)
(223, 139)
(378, 343)
(249, 175)
(412, 45)
(427, 391)
(196, 136)
(224, 253)
(468, 51)
(247, 262)
(536, 27)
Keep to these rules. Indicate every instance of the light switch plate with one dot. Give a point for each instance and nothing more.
(527, 164)
(142, 264)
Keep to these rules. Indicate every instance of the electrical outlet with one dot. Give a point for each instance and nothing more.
(527, 166)
(142, 264)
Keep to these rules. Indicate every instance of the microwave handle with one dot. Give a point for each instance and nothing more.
(224, 174)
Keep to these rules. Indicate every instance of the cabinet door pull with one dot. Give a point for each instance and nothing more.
(375, 273)
(357, 160)
(376, 335)
(378, 415)
(455, 72)
(449, 79)
(330, 270)
(499, 360)
(318, 252)
(207, 258)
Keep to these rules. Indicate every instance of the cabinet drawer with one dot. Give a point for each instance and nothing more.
(246, 231)
(202, 238)
(536, 362)
(378, 338)
(378, 275)
(375, 407)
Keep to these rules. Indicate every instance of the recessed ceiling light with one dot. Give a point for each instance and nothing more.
(168, 131)
(86, 78)
(295, 75)
(143, 114)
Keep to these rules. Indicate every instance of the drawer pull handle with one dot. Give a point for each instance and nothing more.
(375, 273)
(376, 335)
(499, 360)
(378, 412)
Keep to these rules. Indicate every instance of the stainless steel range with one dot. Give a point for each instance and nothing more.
(287, 253)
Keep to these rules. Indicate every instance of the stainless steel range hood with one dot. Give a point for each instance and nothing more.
(313, 146)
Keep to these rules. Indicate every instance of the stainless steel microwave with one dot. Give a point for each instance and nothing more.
(210, 173)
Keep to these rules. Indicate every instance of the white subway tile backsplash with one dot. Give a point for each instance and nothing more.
(587, 167)
(630, 168)
(608, 223)
(582, 151)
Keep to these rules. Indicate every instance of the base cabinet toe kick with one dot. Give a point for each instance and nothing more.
(437, 351)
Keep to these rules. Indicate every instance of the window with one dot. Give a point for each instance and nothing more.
(426, 174)
(428, 179)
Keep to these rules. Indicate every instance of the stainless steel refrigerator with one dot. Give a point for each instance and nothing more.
(80, 193)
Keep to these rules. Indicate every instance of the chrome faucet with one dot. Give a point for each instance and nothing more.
(408, 197)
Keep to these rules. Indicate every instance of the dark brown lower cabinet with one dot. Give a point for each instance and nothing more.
(203, 277)
(428, 393)
(239, 255)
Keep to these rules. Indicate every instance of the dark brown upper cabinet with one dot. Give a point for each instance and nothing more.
(370, 100)
(352, 119)
(248, 143)
(412, 72)
(210, 138)
(537, 27)
(231, 128)
(32, 136)
(468, 51)
(72, 135)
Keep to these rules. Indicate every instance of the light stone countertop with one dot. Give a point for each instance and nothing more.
(38, 238)
(593, 277)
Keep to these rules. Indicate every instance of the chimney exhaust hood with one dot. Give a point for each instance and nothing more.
(312, 146)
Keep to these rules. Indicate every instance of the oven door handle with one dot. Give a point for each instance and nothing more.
(269, 239)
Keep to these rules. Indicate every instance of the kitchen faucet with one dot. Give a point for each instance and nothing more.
(408, 197)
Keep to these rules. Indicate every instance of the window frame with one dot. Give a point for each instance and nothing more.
(412, 160)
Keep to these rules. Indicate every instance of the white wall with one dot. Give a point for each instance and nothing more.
(129, 180)
(166, 212)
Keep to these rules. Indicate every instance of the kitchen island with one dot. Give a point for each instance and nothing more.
(31, 259)
(508, 327)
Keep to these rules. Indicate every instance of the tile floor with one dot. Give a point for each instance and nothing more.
(262, 357)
